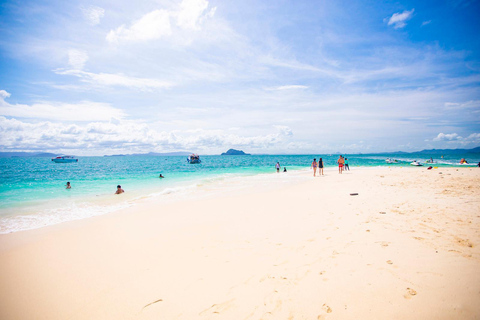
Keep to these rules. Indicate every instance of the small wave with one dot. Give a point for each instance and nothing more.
(48, 217)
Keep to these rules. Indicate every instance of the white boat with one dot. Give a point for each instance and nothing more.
(64, 159)
(194, 158)
(415, 163)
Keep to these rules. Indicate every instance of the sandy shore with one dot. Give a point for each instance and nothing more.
(406, 247)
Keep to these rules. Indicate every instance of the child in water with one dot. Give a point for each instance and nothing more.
(119, 190)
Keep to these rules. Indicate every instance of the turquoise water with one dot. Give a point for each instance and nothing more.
(33, 193)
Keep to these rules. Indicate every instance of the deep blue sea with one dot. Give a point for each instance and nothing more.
(33, 193)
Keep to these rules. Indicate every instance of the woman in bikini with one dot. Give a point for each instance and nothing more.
(314, 166)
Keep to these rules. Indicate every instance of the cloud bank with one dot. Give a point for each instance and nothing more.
(59, 111)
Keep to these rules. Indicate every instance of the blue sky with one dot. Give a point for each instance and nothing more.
(103, 77)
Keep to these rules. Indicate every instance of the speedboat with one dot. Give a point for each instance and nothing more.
(415, 163)
(194, 158)
(64, 159)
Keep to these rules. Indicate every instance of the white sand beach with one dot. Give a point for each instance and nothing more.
(406, 247)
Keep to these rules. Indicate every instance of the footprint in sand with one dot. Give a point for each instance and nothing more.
(218, 308)
(464, 242)
(389, 262)
(326, 308)
(410, 293)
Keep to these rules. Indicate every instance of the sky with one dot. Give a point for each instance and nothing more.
(264, 76)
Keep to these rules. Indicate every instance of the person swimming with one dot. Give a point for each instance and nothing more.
(119, 190)
(68, 186)
(161, 176)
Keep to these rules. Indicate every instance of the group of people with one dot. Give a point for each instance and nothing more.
(342, 165)
(277, 166)
(119, 187)
(318, 165)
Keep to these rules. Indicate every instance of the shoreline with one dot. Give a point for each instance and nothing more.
(42, 214)
(406, 247)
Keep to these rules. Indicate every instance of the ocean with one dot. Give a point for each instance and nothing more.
(33, 193)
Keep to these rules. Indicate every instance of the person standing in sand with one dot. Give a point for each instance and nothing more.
(340, 162)
(314, 166)
(346, 165)
(320, 166)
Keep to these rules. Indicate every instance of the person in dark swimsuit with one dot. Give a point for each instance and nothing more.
(320, 167)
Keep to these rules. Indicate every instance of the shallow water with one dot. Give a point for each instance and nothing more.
(33, 193)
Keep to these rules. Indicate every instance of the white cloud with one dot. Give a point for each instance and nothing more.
(289, 87)
(424, 23)
(398, 19)
(77, 58)
(453, 139)
(447, 137)
(82, 111)
(190, 13)
(472, 104)
(4, 94)
(158, 23)
(108, 79)
(473, 138)
(151, 26)
(92, 14)
(284, 130)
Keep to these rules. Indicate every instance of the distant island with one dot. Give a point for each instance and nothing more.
(26, 154)
(441, 151)
(233, 152)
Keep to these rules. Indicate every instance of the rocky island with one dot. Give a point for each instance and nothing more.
(233, 152)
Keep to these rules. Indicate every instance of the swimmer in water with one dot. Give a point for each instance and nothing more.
(119, 190)
(68, 186)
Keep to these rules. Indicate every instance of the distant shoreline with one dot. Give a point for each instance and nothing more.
(475, 150)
